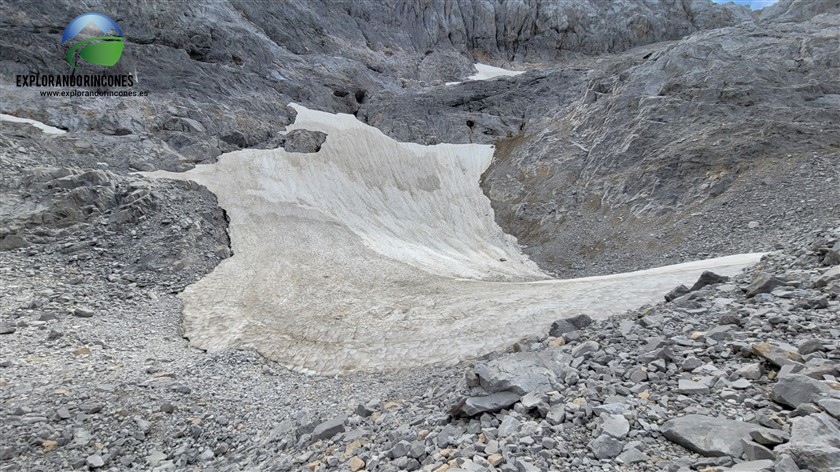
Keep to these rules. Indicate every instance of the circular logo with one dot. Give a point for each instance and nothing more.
(100, 42)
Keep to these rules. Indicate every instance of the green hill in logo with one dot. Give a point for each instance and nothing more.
(104, 50)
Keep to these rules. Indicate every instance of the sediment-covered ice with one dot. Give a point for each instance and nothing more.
(488, 72)
(376, 255)
(42, 126)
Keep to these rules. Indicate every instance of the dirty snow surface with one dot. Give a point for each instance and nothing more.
(42, 126)
(375, 255)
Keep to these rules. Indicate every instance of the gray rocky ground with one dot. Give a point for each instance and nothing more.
(646, 133)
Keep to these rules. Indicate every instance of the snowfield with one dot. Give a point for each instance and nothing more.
(373, 255)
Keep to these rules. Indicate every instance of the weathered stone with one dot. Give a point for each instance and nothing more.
(676, 292)
(829, 276)
(83, 312)
(708, 435)
(356, 463)
(509, 426)
(7, 328)
(756, 452)
(763, 283)
(765, 465)
(810, 346)
(794, 389)
(95, 461)
(606, 447)
(632, 456)
(814, 443)
(567, 325)
(770, 438)
(775, 354)
(304, 140)
(329, 428)
(708, 278)
(584, 348)
(616, 426)
(520, 372)
(497, 401)
(831, 406)
(750, 371)
(690, 387)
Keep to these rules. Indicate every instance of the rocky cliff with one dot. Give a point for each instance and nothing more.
(630, 115)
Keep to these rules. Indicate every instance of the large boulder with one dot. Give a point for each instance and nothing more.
(497, 401)
(709, 436)
(794, 389)
(521, 373)
(575, 323)
(814, 443)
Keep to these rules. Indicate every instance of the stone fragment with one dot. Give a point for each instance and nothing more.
(810, 346)
(632, 456)
(756, 452)
(750, 371)
(763, 283)
(567, 325)
(831, 406)
(708, 278)
(616, 426)
(304, 140)
(95, 461)
(509, 426)
(776, 355)
(829, 276)
(709, 436)
(495, 459)
(814, 443)
(83, 312)
(329, 428)
(765, 465)
(494, 402)
(520, 372)
(584, 348)
(356, 463)
(795, 389)
(770, 438)
(606, 447)
(785, 463)
(690, 387)
(676, 292)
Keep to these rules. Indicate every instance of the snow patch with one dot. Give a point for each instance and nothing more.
(376, 255)
(488, 72)
(42, 126)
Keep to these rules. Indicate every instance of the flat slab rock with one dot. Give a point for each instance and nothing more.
(710, 436)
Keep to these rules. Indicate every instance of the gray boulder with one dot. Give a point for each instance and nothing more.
(676, 292)
(329, 428)
(521, 372)
(708, 278)
(567, 325)
(814, 443)
(606, 447)
(304, 140)
(709, 436)
(776, 355)
(471, 406)
(763, 283)
(795, 389)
